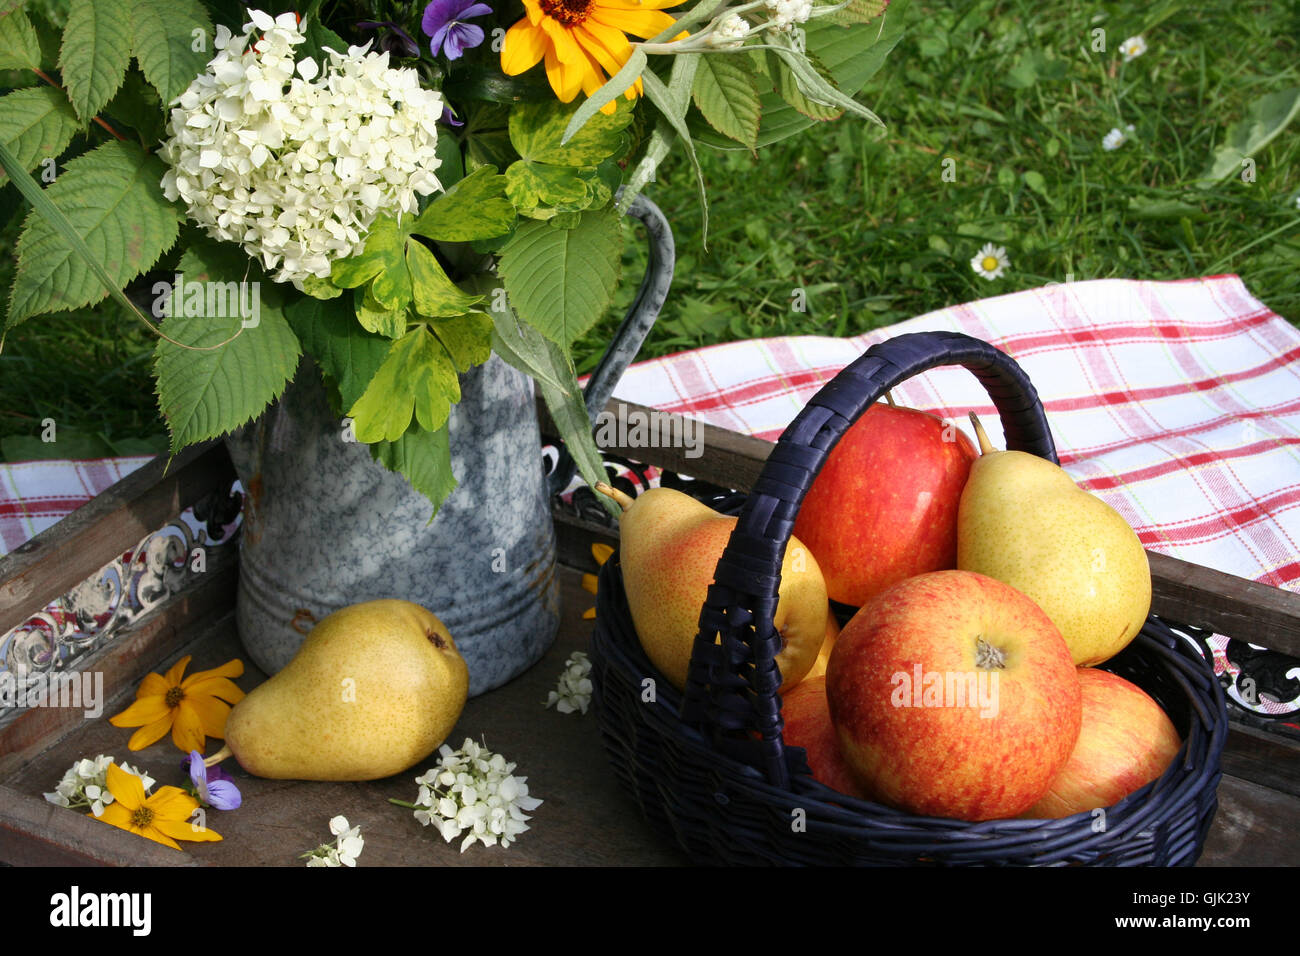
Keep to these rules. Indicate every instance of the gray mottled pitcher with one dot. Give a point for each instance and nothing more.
(325, 526)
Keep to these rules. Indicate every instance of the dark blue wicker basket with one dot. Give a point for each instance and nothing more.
(709, 768)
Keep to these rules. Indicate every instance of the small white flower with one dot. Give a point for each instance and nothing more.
(345, 850)
(1116, 138)
(786, 13)
(473, 793)
(991, 261)
(730, 32)
(1132, 48)
(85, 785)
(573, 693)
(1297, 202)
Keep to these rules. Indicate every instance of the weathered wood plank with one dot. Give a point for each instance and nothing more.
(1269, 760)
(1254, 826)
(65, 554)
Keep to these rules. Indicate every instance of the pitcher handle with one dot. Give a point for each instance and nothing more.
(636, 325)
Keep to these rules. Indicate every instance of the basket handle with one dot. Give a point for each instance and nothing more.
(731, 688)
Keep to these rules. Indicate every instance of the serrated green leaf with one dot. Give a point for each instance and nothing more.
(858, 11)
(418, 379)
(384, 260)
(373, 317)
(537, 132)
(433, 292)
(95, 52)
(423, 458)
(345, 352)
(1264, 120)
(20, 48)
(477, 207)
(467, 338)
(726, 93)
(788, 88)
(36, 124)
(561, 281)
(137, 106)
(110, 196)
(203, 391)
(163, 42)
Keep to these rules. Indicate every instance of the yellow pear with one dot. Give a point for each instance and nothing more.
(669, 546)
(1023, 521)
(372, 691)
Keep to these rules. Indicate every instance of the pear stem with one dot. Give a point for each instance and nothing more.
(619, 497)
(985, 445)
(219, 756)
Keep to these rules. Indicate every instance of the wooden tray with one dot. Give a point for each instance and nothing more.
(585, 818)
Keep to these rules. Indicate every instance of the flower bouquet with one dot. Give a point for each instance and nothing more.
(399, 191)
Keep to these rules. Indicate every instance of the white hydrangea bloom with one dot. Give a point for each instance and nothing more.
(292, 159)
(730, 32)
(346, 848)
(85, 785)
(573, 693)
(473, 793)
(786, 13)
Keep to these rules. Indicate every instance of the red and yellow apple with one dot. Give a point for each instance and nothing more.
(884, 506)
(1126, 741)
(955, 696)
(807, 720)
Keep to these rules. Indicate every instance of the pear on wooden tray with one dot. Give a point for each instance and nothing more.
(669, 546)
(372, 691)
(1024, 521)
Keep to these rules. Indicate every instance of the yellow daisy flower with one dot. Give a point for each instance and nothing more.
(163, 817)
(193, 709)
(601, 553)
(581, 41)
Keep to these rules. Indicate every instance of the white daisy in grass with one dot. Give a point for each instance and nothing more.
(1116, 138)
(991, 261)
(1132, 48)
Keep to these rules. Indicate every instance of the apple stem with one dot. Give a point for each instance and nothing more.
(889, 399)
(219, 756)
(985, 445)
(619, 497)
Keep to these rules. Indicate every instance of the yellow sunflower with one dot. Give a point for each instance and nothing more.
(582, 41)
(193, 709)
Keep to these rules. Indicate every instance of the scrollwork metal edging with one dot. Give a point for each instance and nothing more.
(118, 597)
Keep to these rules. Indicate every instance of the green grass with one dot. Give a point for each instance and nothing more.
(861, 218)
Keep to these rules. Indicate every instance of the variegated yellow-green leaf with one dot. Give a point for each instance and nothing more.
(417, 379)
(467, 338)
(433, 292)
(373, 317)
(475, 208)
(345, 352)
(384, 260)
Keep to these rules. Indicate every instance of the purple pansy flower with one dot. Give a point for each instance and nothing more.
(394, 40)
(443, 24)
(214, 787)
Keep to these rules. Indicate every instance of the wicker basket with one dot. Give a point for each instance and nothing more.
(709, 768)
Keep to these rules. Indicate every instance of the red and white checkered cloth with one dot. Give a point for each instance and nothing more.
(1176, 402)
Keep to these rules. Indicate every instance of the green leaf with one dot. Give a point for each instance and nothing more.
(477, 207)
(36, 124)
(345, 352)
(614, 87)
(858, 11)
(95, 53)
(467, 339)
(1264, 120)
(533, 185)
(537, 133)
(726, 93)
(561, 281)
(451, 167)
(384, 260)
(373, 317)
(137, 106)
(163, 41)
(423, 458)
(788, 88)
(111, 199)
(20, 49)
(1035, 181)
(206, 388)
(672, 101)
(434, 293)
(416, 378)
